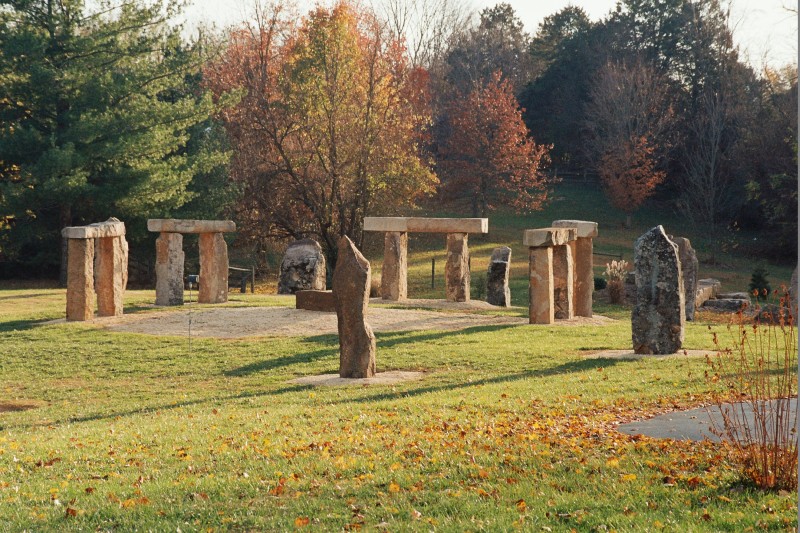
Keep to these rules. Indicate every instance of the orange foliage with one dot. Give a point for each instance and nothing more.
(628, 173)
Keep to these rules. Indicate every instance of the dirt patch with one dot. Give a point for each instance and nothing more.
(630, 355)
(18, 405)
(381, 378)
(239, 322)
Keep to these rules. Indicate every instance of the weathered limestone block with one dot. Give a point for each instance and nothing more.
(394, 274)
(689, 268)
(80, 279)
(110, 228)
(427, 225)
(659, 316)
(583, 257)
(315, 301)
(563, 274)
(172, 225)
(497, 289)
(169, 269)
(543, 237)
(541, 309)
(456, 270)
(111, 274)
(213, 269)
(706, 289)
(351, 295)
(302, 268)
(727, 305)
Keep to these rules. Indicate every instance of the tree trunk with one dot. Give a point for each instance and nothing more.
(628, 221)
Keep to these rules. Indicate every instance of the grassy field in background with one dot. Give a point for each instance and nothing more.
(511, 427)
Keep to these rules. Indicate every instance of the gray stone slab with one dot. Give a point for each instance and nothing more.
(174, 225)
(110, 228)
(698, 424)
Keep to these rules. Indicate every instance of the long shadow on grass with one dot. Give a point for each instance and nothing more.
(566, 368)
(388, 339)
(287, 360)
(21, 325)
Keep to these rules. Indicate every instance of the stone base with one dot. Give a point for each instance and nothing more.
(316, 301)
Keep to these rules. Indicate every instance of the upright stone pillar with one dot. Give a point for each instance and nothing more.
(213, 269)
(80, 279)
(111, 267)
(456, 271)
(689, 268)
(394, 274)
(497, 289)
(563, 281)
(542, 243)
(351, 298)
(169, 269)
(583, 254)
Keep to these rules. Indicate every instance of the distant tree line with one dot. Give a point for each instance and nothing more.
(300, 124)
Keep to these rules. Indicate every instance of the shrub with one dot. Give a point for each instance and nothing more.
(759, 284)
(599, 283)
(615, 272)
(758, 374)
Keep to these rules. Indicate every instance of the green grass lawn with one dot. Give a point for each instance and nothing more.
(511, 428)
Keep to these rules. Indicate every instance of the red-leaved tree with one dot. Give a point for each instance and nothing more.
(489, 158)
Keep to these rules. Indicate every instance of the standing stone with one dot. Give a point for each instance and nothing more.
(351, 295)
(213, 269)
(689, 268)
(394, 274)
(541, 286)
(111, 274)
(659, 316)
(793, 295)
(169, 269)
(563, 274)
(456, 270)
(80, 279)
(497, 290)
(302, 268)
(583, 259)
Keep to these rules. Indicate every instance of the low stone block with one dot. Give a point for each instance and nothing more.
(543, 237)
(585, 229)
(706, 289)
(726, 305)
(497, 289)
(110, 228)
(316, 301)
(173, 225)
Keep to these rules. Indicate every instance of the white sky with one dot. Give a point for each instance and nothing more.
(765, 30)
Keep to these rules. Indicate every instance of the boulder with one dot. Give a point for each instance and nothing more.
(497, 290)
(659, 316)
(689, 267)
(351, 296)
(302, 268)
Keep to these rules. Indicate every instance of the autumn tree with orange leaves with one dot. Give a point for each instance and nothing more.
(629, 120)
(329, 126)
(489, 158)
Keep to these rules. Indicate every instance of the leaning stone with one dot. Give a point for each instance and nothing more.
(726, 305)
(315, 301)
(111, 274)
(689, 267)
(351, 296)
(456, 270)
(302, 268)
(658, 318)
(497, 289)
(213, 269)
(394, 274)
(169, 269)
(80, 279)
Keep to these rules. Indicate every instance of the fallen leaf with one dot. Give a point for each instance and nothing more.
(521, 505)
(301, 521)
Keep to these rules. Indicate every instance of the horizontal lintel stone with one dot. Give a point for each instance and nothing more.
(174, 225)
(544, 237)
(584, 227)
(110, 228)
(427, 225)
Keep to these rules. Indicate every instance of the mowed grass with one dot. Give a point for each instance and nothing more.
(511, 428)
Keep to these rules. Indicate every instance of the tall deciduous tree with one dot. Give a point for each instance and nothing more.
(329, 126)
(629, 117)
(489, 157)
(95, 114)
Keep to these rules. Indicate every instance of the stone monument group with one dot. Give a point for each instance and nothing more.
(560, 273)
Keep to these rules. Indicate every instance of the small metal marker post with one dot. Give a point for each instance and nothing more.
(191, 280)
(433, 272)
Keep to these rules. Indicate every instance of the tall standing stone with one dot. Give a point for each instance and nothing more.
(497, 290)
(351, 295)
(541, 309)
(302, 268)
(689, 267)
(213, 269)
(793, 294)
(394, 274)
(80, 279)
(456, 270)
(583, 258)
(563, 281)
(111, 274)
(659, 316)
(169, 269)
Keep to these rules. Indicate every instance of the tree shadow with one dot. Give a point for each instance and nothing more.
(389, 339)
(280, 362)
(21, 296)
(22, 325)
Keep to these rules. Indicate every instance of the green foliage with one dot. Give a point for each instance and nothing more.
(600, 283)
(759, 284)
(96, 119)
